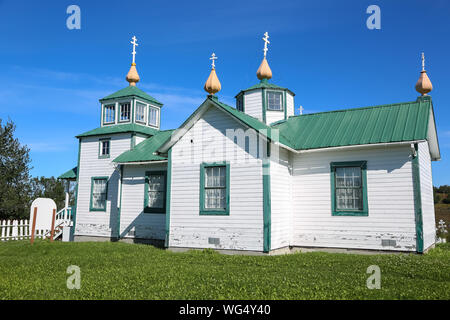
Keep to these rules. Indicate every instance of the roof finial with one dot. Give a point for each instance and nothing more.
(212, 85)
(264, 73)
(266, 42)
(133, 76)
(423, 85)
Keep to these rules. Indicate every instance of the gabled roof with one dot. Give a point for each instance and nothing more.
(131, 91)
(265, 84)
(69, 175)
(408, 121)
(120, 128)
(240, 116)
(145, 151)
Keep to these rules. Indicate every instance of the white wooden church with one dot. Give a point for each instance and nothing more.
(256, 177)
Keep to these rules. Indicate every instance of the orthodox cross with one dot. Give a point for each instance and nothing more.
(423, 61)
(301, 109)
(266, 41)
(134, 43)
(213, 57)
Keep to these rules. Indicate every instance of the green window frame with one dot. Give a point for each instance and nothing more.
(104, 148)
(91, 204)
(363, 210)
(204, 186)
(148, 177)
(280, 94)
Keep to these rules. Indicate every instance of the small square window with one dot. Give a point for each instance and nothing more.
(104, 148)
(274, 101)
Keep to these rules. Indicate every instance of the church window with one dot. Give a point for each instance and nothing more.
(153, 116)
(274, 101)
(109, 113)
(125, 110)
(99, 190)
(140, 112)
(214, 188)
(349, 188)
(155, 192)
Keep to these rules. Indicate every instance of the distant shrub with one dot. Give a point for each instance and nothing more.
(446, 200)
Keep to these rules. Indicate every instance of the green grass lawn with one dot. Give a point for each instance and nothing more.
(132, 271)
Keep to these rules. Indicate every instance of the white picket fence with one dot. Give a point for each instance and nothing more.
(21, 229)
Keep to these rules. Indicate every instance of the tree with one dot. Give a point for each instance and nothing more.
(14, 174)
(48, 188)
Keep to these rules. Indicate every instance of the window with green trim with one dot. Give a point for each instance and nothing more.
(153, 116)
(155, 192)
(274, 101)
(99, 191)
(240, 103)
(349, 188)
(104, 148)
(215, 188)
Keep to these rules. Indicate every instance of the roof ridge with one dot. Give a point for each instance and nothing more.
(357, 108)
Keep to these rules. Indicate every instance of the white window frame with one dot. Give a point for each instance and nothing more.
(145, 105)
(120, 111)
(157, 116)
(104, 113)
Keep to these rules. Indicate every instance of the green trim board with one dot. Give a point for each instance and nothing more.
(264, 106)
(100, 148)
(417, 200)
(267, 206)
(91, 208)
(203, 210)
(148, 209)
(365, 210)
(131, 91)
(168, 194)
(120, 203)
(74, 209)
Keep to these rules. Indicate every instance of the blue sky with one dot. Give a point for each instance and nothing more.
(51, 77)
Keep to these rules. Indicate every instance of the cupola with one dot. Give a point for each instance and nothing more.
(266, 101)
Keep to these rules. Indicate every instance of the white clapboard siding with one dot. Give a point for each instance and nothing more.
(206, 141)
(281, 198)
(290, 111)
(99, 223)
(139, 138)
(274, 116)
(426, 189)
(253, 103)
(390, 201)
(134, 222)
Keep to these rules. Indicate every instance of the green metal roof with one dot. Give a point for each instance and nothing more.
(120, 128)
(249, 120)
(132, 91)
(69, 175)
(379, 124)
(265, 84)
(145, 150)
